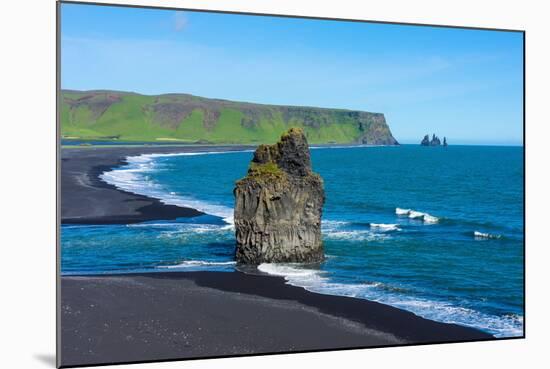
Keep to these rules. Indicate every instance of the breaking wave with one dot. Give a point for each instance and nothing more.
(385, 227)
(400, 211)
(413, 214)
(196, 263)
(485, 236)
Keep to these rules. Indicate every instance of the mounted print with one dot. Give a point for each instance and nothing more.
(239, 184)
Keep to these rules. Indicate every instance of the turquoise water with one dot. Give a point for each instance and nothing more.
(454, 253)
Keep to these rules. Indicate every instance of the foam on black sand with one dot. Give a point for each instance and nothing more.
(86, 199)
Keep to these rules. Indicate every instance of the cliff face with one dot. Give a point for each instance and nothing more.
(278, 205)
(111, 115)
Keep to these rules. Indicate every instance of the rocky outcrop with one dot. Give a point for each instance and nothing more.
(435, 141)
(425, 141)
(278, 205)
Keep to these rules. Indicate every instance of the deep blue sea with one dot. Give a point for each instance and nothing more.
(437, 231)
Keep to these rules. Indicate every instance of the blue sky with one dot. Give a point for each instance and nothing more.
(463, 84)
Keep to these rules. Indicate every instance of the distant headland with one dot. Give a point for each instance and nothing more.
(435, 141)
(183, 118)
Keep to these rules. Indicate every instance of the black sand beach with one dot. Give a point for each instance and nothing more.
(86, 199)
(163, 316)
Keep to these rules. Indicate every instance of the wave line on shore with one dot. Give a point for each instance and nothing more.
(133, 177)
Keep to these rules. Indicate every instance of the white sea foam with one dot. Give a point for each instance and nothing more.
(485, 236)
(189, 232)
(355, 235)
(198, 233)
(331, 225)
(416, 214)
(134, 178)
(430, 219)
(318, 281)
(192, 227)
(385, 227)
(312, 279)
(500, 326)
(288, 271)
(413, 214)
(196, 263)
(400, 211)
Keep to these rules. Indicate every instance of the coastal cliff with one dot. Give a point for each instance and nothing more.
(127, 116)
(278, 205)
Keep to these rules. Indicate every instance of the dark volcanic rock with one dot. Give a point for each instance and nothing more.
(435, 141)
(375, 130)
(425, 141)
(278, 205)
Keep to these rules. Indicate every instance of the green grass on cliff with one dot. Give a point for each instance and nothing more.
(110, 115)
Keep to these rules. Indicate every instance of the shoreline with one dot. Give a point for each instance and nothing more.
(86, 199)
(184, 315)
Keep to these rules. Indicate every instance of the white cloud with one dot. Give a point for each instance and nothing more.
(179, 21)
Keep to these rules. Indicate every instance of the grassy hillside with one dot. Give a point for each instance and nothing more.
(113, 115)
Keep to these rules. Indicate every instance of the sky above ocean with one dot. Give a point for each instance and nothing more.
(463, 84)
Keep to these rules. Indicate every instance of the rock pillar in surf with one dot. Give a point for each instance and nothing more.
(278, 205)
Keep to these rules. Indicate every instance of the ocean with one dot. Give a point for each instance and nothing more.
(437, 231)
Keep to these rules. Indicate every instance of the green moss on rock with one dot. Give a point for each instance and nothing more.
(265, 172)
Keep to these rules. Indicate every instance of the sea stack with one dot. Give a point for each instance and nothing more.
(434, 142)
(425, 141)
(278, 205)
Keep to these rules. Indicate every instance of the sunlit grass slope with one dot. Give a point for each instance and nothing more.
(115, 115)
